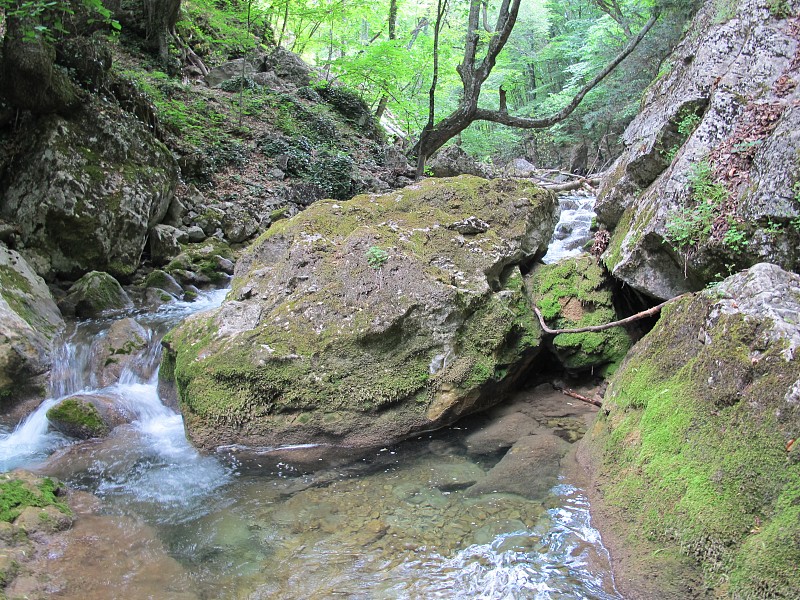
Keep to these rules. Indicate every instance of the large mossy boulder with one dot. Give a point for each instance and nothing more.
(696, 444)
(708, 180)
(29, 320)
(576, 293)
(362, 322)
(84, 191)
(93, 295)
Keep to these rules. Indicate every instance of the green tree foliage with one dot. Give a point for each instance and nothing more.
(555, 47)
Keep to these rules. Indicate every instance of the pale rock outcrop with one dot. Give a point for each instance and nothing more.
(729, 102)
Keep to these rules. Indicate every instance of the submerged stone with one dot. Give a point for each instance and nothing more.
(362, 322)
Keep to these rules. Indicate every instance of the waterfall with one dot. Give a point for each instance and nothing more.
(32, 441)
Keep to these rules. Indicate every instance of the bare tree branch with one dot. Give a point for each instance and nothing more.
(474, 74)
(640, 315)
(504, 118)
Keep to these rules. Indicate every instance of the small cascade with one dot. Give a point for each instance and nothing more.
(32, 440)
(573, 230)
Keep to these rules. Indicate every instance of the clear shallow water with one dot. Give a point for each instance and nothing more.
(311, 522)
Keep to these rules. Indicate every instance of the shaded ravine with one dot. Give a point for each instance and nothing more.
(309, 522)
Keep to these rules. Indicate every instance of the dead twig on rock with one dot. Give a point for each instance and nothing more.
(577, 396)
(640, 315)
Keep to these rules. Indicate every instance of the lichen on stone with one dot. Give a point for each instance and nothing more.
(311, 329)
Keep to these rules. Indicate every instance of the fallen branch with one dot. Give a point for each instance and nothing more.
(577, 396)
(567, 186)
(640, 315)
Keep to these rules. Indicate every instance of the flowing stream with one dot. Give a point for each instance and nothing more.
(304, 522)
(574, 227)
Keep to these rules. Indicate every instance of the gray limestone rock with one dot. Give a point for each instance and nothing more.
(452, 160)
(729, 101)
(163, 244)
(86, 190)
(93, 295)
(361, 322)
(118, 351)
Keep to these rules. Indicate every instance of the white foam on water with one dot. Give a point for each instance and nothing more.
(162, 433)
(573, 229)
(562, 557)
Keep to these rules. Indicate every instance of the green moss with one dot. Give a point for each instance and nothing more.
(693, 450)
(157, 279)
(80, 416)
(572, 294)
(202, 258)
(16, 495)
(321, 350)
(278, 214)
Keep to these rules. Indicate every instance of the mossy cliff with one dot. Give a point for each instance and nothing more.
(576, 293)
(696, 443)
(30, 320)
(361, 322)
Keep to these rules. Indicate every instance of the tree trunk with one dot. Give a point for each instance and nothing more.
(160, 19)
(474, 72)
(392, 36)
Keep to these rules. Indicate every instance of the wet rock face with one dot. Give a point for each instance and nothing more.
(85, 191)
(576, 293)
(119, 350)
(697, 437)
(94, 294)
(29, 320)
(728, 105)
(86, 416)
(361, 322)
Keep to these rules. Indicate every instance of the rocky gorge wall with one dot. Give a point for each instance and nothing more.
(708, 182)
(694, 452)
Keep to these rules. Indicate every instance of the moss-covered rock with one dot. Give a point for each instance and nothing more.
(697, 437)
(202, 263)
(77, 417)
(94, 294)
(361, 322)
(30, 320)
(31, 508)
(576, 293)
(20, 490)
(84, 191)
(163, 281)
